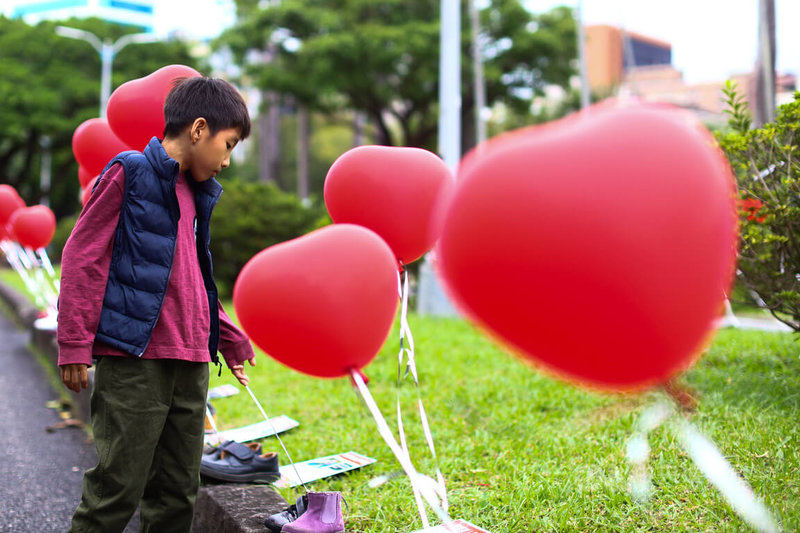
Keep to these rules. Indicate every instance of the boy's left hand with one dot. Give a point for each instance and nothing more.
(240, 374)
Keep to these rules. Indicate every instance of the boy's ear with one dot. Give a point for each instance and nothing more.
(199, 127)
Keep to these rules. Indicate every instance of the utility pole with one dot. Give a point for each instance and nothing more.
(431, 298)
(107, 51)
(477, 67)
(764, 105)
(585, 92)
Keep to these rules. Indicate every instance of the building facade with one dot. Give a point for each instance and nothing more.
(628, 63)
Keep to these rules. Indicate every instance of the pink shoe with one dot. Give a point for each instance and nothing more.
(324, 515)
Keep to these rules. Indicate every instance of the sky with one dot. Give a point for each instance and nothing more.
(711, 39)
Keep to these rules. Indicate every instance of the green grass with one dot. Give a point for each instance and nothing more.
(523, 452)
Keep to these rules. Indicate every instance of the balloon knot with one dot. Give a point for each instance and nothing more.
(685, 397)
(364, 377)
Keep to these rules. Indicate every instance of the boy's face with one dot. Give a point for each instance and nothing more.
(212, 153)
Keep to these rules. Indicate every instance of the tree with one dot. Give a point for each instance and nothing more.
(766, 161)
(49, 86)
(381, 58)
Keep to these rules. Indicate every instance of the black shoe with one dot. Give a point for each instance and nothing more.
(276, 521)
(239, 463)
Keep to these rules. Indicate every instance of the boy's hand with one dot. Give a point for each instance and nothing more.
(75, 376)
(241, 375)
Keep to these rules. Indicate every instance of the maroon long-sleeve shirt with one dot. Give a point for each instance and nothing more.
(182, 329)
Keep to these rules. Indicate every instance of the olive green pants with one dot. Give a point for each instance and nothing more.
(148, 424)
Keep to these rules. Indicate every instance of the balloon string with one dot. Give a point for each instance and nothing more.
(708, 459)
(721, 474)
(44, 284)
(411, 368)
(48, 267)
(414, 478)
(275, 432)
(19, 262)
(213, 423)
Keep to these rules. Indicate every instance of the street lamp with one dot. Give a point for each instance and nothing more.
(107, 51)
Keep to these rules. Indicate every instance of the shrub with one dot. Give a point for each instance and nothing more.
(250, 217)
(765, 161)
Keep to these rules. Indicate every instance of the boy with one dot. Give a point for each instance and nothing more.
(138, 295)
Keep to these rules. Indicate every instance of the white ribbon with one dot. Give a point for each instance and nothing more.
(418, 482)
(411, 368)
(708, 459)
(275, 432)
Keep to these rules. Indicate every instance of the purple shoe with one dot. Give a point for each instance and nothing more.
(324, 515)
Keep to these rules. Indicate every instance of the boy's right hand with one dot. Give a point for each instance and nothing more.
(75, 376)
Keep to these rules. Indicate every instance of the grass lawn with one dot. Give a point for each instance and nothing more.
(523, 452)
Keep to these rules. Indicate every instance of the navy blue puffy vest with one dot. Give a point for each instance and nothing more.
(144, 246)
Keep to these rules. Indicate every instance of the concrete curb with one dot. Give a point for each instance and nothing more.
(224, 508)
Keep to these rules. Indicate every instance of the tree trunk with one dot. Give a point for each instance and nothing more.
(302, 152)
(269, 138)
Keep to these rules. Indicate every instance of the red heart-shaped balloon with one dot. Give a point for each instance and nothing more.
(86, 192)
(10, 201)
(322, 304)
(392, 191)
(34, 226)
(84, 176)
(136, 108)
(94, 145)
(600, 246)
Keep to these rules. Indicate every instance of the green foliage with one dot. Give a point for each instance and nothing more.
(765, 161)
(250, 217)
(49, 86)
(382, 58)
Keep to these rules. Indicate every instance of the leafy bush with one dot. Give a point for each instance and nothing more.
(767, 167)
(250, 217)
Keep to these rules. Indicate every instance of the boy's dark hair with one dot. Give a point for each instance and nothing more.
(214, 99)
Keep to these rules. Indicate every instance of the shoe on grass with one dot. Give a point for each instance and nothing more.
(276, 521)
(237, 462)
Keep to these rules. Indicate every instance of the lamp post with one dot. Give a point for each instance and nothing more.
(107, 51)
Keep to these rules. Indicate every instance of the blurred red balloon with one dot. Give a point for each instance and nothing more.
(86, 192)
(600, 246)
(34, 226)
(390, 190)
(84, 176)
(10, 201)
(136, 108)
(94, 145)
(322, 304)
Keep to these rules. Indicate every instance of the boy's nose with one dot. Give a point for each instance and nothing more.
(226, 162)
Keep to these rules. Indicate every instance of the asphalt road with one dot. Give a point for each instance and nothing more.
(40, 471)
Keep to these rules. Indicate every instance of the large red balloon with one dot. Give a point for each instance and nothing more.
(94, 145)
(390, 190)
(34, 226)
(10, 201)
(86, 192)
(322, 304)
(600, 247)
(136, 108)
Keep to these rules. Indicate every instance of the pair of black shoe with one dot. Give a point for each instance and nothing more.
(276, 521)
(236, 462)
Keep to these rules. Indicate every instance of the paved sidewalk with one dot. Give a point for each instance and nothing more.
(40, 472)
